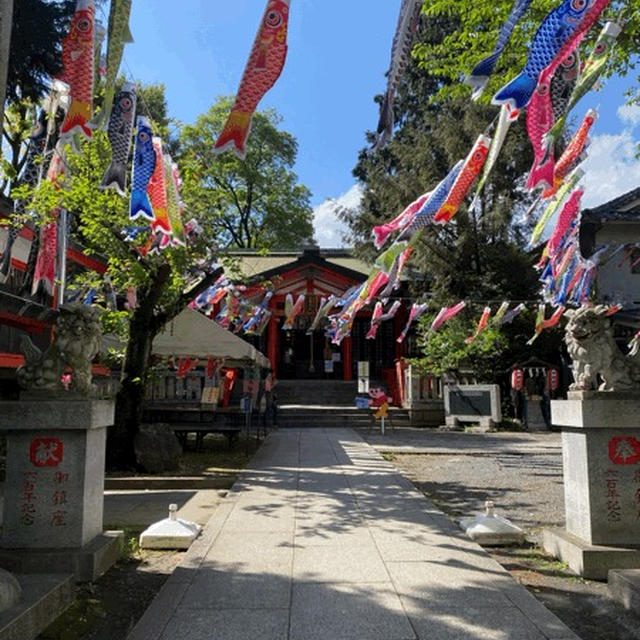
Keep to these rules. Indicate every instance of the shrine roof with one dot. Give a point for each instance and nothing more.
(625, 208)
(254, 266)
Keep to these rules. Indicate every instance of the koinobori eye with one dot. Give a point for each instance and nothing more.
(273, 19)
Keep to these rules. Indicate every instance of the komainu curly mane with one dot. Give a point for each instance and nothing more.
(75, 344)
(594, 352)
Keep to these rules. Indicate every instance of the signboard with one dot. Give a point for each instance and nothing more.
(210, 396)
(472, 403)
(363, 376)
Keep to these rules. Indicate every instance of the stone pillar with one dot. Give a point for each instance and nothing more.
(601, 466)
(397, 330)
(53, 503)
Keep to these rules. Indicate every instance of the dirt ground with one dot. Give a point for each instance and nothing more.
(528, 490)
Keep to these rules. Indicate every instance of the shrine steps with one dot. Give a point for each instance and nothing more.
(336, 393)
(300, 416)
(324, 404)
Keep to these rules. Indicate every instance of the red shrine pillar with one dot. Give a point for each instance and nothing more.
(347, 359)
(398, 326)
(273, 346)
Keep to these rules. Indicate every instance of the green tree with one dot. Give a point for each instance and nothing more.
(164, 283)
(253, 204)
(36, 52)
(446, 351)
(35, 56)
(491, 355)
(477, 28)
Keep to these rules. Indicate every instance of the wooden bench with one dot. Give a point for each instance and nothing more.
(186, 420)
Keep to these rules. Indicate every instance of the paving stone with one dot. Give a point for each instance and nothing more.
(466, 620)
(337, 564)
(213, 588)
(409, 544)
(265, 624)
(451, 580)
(252, 552)
(348, 612)
(260, 517)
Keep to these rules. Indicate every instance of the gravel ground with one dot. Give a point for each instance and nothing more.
(522, 474)
(527, 488)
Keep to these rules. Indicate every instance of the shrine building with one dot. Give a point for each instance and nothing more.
(318, 273)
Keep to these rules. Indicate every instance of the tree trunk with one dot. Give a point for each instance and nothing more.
(146, 322)
(130, 398)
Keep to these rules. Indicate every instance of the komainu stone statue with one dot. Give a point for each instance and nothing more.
(594, 352)
(76, 342)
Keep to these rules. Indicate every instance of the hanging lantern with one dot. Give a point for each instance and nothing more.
(517, 379)
(553, 379)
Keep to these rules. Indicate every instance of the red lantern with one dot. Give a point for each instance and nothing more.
(517, 379)
(553, 379)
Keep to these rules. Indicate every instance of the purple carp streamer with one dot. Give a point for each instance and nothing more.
(383, 231)
(479, 77)
(416, 311)
(400, 52)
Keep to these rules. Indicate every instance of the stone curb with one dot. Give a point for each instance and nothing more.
(132, 483)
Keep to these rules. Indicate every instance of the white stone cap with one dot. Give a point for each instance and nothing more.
(491, 529)
(170, 533)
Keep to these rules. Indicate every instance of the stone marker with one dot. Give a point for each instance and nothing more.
(472, 403)
(600, 452)
(53, 499)
(170, 533)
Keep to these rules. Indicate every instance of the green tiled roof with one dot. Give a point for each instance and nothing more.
(251, 264)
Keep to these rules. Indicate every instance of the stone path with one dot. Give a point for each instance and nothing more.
(324, 540)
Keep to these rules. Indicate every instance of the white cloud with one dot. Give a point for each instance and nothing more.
(329, 230)
(611, 168)
(629, 114)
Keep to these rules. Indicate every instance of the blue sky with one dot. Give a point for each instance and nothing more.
(339, 51)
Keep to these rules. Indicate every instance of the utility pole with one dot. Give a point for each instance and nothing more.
(6, 15)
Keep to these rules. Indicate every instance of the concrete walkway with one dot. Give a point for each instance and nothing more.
(324, 540)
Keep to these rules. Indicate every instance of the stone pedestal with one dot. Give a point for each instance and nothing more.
(54, 484)
(601, 463)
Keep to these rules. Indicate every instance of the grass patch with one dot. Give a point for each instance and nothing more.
(388, 456)
(534, 558)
